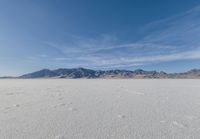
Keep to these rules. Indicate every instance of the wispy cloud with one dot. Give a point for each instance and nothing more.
(137, 61)
(170, 39)
(60, 58)
(43, 55)
(31, 58)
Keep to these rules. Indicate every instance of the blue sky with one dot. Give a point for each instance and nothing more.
(99, 34)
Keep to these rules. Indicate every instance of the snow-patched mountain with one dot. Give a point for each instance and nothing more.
(88, 73)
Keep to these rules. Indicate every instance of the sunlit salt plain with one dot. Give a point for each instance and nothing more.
(99, 109)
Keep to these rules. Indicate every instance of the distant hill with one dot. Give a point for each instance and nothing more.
(88, 73)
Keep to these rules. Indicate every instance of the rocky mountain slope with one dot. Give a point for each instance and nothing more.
(88, 73)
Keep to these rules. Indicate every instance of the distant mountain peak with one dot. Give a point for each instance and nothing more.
(89, 73)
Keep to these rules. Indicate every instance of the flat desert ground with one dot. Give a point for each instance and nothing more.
(99, 109)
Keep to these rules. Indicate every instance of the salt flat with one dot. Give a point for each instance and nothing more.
(99, 109)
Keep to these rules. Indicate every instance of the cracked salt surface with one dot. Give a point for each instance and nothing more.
(16, 105)
(121, 116)
(175, 123)
(99, 109)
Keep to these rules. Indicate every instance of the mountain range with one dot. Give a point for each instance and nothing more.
(75, 73)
